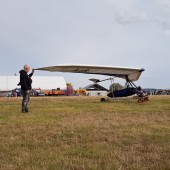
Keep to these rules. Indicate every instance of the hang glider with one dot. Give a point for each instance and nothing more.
(129, 74)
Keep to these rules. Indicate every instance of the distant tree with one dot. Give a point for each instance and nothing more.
(116, 86)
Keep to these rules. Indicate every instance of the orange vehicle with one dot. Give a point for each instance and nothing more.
(46, 92)
(54, 92)
(57, 92)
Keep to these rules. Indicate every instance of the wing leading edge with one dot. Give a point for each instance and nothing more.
(129, 74)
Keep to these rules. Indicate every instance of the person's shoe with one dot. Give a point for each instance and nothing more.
(26, 110)
(23, 111)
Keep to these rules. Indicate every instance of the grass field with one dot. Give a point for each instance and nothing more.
(82, 133)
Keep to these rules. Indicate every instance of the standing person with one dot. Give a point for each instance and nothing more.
(25, 82)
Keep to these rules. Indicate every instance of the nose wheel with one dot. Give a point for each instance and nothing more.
(103, 100)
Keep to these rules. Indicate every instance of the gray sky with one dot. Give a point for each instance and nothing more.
(132, 33)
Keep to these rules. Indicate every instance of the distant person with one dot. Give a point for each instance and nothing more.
(25, 83)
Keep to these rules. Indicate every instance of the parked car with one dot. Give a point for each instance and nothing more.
(41, 94)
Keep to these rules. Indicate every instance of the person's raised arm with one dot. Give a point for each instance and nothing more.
(30, 75)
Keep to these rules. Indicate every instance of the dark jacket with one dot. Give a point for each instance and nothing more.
(25, 80)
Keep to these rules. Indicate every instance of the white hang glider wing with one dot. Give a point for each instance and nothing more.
(129, 74)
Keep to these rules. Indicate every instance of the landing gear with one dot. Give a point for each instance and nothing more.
(130, 90)
(140, 100)
(103, 100)
(143, 99)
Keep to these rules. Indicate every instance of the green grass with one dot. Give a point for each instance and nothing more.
(82, 133)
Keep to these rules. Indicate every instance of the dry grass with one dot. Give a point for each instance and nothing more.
(82, 133)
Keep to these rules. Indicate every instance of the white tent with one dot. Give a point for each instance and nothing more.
(42, 82)
(47, 83)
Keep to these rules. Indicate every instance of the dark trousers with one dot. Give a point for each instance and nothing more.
(25, 101)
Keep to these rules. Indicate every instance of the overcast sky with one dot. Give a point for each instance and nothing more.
(129, 33)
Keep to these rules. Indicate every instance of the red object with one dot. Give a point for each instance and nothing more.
(69, 91)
